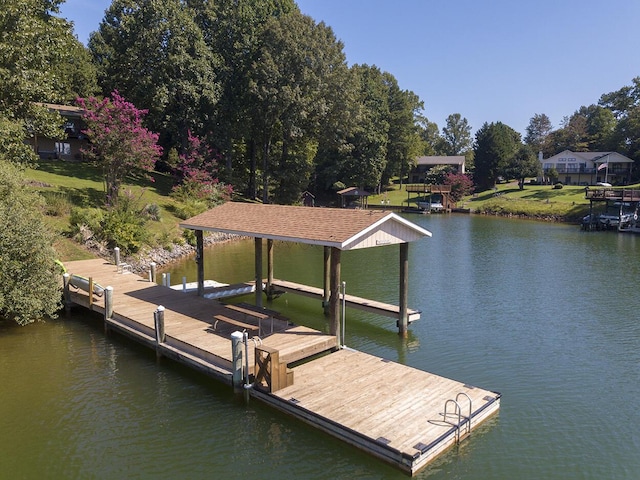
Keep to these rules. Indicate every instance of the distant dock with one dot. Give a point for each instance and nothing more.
(402, 415)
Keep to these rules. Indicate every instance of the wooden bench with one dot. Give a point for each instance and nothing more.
(253, 329)
(252, 313)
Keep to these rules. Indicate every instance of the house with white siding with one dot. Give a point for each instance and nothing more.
(586, 168)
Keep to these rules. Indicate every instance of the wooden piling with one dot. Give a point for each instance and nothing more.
(66, 294)
(158, 318)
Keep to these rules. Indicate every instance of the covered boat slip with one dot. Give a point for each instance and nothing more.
(335, 229)
(397, 413)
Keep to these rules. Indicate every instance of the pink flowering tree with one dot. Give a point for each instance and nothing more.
(118, 140)
(198, 172)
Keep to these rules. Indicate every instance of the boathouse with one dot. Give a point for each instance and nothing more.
(334, 229)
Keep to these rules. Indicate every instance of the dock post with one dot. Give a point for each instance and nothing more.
(258, 269)
(164, 279)
(67, 294)
(327, 279)
(158, 318)
(184, 284)
(404, 290)
(90, 293)
(152, 272)
(236, 359)
(108, 307)
(116, 256)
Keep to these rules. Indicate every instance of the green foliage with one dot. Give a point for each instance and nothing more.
(39, 60)
(456, 135)
(28, 275)
(83, 218)
(190, 208)
(123, 225)
(57, 203)
(155, 55)
(495, 148)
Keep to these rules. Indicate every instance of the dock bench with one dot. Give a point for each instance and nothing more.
(252, 329)
(253, 314)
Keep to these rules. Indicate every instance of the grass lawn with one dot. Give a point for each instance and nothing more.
(67, 184)
(538, 201)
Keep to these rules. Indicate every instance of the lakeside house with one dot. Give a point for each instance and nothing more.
(426, 163)
(586, 168)
(70, 146)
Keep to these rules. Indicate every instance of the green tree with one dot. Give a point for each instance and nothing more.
(524, 164)
(622, 101)
(538, 132)
(232, 31)
(495, 147)
(366, 155)
(155, 55)
(405, 143)
(293, 87)
(457, 135)
(432, 142)
(29, 278)
(37, 58)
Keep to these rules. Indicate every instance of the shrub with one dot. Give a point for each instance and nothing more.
(57, 204)
(558, 185)
(152, 212)
(82, 218)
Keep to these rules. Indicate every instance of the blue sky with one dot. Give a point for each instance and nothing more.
(489, 60)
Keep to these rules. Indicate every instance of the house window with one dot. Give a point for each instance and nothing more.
(548, 166)
(63, 148)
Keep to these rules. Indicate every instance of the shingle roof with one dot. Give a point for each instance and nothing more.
(335, 227)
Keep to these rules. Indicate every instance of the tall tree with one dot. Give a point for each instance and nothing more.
(232, 31)
(432, 142)
(154, 54)
(457, 135)
(366, 155)
(405, 143)
(293, 85)
(496, 145)
(622, 101)
(37, 51)
(538, 132)
(118, 140)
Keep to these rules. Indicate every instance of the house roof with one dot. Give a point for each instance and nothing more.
(441, 160)
(345, 229)
(596, 157)
(67, 111)
(353, 191)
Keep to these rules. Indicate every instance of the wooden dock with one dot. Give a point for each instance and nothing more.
(373, 306)
(399, 414)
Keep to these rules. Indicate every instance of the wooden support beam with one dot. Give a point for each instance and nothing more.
(269, 270)
(334, 300)
(200, 261)
(258, 270)
(327, 280)
(404, 289)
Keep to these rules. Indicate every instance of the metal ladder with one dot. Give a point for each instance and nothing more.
(461, 418)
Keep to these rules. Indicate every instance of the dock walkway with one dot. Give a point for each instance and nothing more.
(397, 413)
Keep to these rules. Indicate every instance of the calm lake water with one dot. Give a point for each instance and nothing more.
(545, 314)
